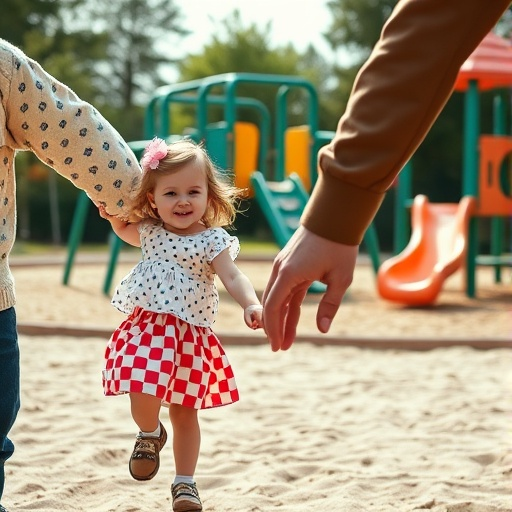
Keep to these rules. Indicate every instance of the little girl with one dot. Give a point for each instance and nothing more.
(165, 351)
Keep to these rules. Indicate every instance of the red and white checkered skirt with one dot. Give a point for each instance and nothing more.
(164, 356)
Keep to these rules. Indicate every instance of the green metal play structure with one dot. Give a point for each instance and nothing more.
(243, 147)
(281, 188)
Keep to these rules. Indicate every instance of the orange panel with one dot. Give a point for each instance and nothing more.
(491, 198)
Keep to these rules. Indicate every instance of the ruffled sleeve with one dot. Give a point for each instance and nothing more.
(146, 226)
(219, 240)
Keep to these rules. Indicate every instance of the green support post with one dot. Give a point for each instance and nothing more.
(497, 224)
(371, 242)
(115, 247)
(77, 230)
(470, 178)
(403, 192)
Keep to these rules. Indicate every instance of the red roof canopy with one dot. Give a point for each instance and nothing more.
(490, 65)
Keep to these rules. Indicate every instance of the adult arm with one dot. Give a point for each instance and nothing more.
(66, 133)
(305, 258)
(396, 97)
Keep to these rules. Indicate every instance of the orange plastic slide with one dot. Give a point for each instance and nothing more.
(435, 251)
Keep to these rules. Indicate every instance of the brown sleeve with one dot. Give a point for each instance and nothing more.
(397, 95)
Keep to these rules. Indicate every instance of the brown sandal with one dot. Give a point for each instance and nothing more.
(145, 458)
(185, 498)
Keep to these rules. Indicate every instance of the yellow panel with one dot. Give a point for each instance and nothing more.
(247, 142)
(297, 153)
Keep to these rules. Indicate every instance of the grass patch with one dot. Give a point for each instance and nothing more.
(249, 246)
(252, 246)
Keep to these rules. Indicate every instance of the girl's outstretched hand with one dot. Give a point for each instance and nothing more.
(126, 231)
(253, 316)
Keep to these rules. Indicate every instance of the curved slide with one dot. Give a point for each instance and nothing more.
(435, 251)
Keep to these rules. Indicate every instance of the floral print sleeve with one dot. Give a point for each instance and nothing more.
(69, 135)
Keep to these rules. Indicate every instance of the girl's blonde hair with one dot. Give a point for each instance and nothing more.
(223, 197)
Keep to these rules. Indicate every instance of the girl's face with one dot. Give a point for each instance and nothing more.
(181, 199)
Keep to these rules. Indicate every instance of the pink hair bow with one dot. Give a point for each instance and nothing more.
(155, 151)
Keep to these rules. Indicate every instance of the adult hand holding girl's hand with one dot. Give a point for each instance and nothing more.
(126, 231)
(103, 212)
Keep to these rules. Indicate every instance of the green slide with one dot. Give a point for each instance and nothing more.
(282, 203)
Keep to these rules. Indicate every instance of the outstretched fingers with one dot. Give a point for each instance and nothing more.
(281, 308)
(305, 258)
(292, 317)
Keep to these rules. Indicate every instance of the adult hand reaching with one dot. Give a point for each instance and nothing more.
(305, 258)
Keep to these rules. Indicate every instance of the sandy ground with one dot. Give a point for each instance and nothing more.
(333, 427)
(42, 299)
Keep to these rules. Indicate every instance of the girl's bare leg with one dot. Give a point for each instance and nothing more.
(145, 460)
(186, 440)
(145, 410)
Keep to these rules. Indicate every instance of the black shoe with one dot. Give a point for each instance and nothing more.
(2, 509)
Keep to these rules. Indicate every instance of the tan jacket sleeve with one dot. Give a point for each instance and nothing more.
(69, 135)
(396, 97)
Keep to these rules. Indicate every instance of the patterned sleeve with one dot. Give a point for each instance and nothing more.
(69, 135)
(220, 239)
(145, 227)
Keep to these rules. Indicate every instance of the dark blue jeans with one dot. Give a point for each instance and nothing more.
(9, 385)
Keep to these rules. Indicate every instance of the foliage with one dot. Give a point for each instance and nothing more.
(247, 49)
(504, 27)
(20, 18)
(38, 28)
(357, 24)
(137, 36)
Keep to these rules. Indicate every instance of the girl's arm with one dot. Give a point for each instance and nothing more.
(240, 288)
(126, 231)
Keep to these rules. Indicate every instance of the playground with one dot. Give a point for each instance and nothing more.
(419, 422)
(275, 162)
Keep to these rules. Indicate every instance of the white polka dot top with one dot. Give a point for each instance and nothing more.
(175, 274)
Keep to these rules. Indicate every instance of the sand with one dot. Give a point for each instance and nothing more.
(82, 304)
(329, 425)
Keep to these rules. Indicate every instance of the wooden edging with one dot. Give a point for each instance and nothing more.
(419, 344)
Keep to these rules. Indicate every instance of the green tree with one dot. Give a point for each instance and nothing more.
(41, 29)
(355, 28)
(137, 35)
(357, 24)
(504, 27)
(23, 17)
(236, 48)
(71, 58)
(130, 41)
